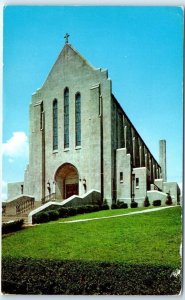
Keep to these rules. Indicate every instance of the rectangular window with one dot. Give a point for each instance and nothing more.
(121, 176)
(137, 182)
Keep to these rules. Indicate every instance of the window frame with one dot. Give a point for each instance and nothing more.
(55, 124)
(137, 182)
(121, 177)
(78, 119)
(66, 118)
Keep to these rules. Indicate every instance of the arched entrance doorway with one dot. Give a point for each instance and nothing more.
(67, 180)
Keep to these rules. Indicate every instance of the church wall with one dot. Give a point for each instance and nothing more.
(78, 77)
(14, 189)
(140, 185)
(123, 172)
(172, 188)
(108, 154)
(26, 181)
(111, 152)
(159, 183)
(125, 135)
(33, 176)
(134, 143)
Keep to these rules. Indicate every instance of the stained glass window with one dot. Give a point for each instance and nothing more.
(55, 125)
(78, 119)
(66, 118)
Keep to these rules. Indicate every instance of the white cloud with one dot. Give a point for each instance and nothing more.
(16, 146)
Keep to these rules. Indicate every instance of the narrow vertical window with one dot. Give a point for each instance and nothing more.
(41, 116)
(137, 182)
(55, 125)
(78, 119)
(66, 118)
(121, 176)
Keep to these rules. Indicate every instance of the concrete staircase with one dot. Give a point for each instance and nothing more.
(9, 217)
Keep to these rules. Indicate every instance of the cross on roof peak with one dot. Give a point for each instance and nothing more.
(66, 38)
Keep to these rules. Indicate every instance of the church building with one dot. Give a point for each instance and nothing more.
(81, 140)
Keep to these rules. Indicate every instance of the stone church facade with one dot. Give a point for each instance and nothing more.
(81, 139)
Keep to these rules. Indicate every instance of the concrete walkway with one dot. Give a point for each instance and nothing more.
(122, 215)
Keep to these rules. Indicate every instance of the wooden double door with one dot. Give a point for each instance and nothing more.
(71, 189)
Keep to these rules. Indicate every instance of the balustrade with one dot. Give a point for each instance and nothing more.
(50, 197)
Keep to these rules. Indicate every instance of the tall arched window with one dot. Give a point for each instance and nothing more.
(66, 118)
(55, 125)
(78, 119)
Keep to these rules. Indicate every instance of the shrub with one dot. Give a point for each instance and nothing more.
(146, 202)
(119, 202)
(105, 201)
(123, 205)
(168, 199)
(50, 277)
(96, 207)
(63, 212)
(72, 211)
(12, 226)
(80, 209)
(41, 217)
(88, 208)
(157, 203)
(114, 206)
(133, 204)
(104, 207)
(53, 215)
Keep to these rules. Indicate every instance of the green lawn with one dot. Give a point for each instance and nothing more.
(152, 238)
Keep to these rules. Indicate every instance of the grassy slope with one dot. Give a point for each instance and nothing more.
(152, 238)
(105, 213)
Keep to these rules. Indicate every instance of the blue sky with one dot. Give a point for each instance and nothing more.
(142, 48)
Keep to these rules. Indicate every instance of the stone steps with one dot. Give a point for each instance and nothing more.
(23, 215)
(8, 218)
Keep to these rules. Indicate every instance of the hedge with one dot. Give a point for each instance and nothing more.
(64, 212)
(12, 226)
(104, 207)
(48, 277)
(114, 206)
(119, 204)
(146, 202)
(133, 204)
(53, 215)
(41, 217)
(123, 205)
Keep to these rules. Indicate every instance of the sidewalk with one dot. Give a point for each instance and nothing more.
(116, 216)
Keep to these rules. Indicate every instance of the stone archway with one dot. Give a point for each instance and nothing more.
(67, 181)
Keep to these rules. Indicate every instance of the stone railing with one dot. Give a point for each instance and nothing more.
(24, 205)
(157, 188)
(50, 197)
(18, 205)
(154, 187)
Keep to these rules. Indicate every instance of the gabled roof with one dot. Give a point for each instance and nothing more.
(68, 50)
(75, 51)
